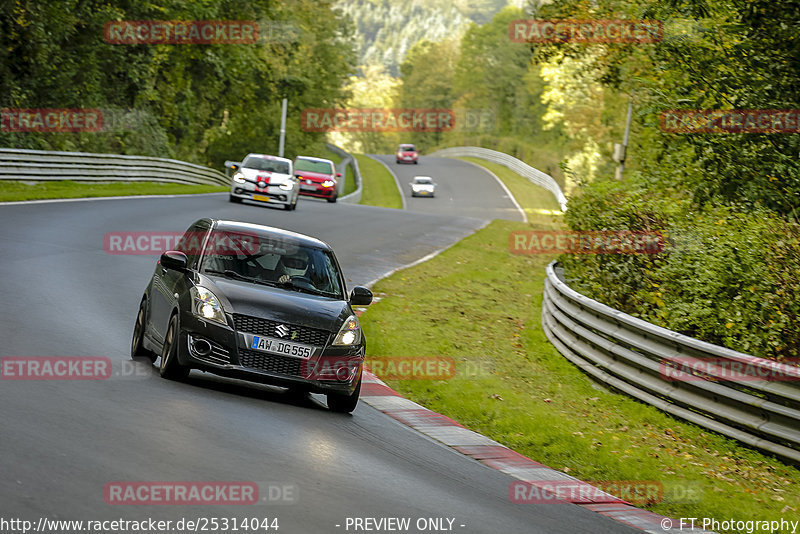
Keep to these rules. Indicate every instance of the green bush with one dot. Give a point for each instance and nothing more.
(727, 276)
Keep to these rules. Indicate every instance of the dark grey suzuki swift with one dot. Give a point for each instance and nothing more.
(255, 303)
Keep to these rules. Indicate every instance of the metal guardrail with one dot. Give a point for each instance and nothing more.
(633, 356)
(347, 159)
(536, 176)
(41, 165)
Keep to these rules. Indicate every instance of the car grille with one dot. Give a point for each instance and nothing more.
(270, 363)
(265, 327)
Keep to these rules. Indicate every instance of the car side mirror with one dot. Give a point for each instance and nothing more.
(338, 175)
(233, 165)
(360, 296)
(175, 260)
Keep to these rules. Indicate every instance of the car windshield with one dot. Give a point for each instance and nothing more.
(419, 180)
(272, 260)
(407, 148)
(263, 164)
(323, 167)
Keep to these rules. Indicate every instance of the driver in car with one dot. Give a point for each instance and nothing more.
(293, 265)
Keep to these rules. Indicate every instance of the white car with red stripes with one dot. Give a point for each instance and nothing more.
(264, 178)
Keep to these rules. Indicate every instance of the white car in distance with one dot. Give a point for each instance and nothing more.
(423, 186)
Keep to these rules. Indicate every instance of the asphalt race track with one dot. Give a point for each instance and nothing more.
(461, 189)
(61, 442)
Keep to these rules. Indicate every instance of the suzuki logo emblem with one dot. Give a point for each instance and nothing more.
(282, 330)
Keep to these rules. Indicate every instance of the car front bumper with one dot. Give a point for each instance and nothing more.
(273, 194)
(422, 193)
(231, 358)
(316, 189)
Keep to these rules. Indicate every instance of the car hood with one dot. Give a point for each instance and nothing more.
(315, 175)
(274, 177)
(279, 304)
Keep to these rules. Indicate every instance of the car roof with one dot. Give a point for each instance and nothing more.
(266, 231)
(424, 177)
(311, 158)
(267, 156)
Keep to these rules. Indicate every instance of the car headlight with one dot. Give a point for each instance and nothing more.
(328, 183)
(349, 333)
(239, 178)
(205, 305)
(287, 186)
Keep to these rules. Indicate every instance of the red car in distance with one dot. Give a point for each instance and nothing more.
(317, 177)
(407, 153)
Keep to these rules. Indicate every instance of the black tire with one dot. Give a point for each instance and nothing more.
(287, 207)
(344, 403)
(332, 200)
(415, 162)
(171, 368)
(137, 346)
(235, 200)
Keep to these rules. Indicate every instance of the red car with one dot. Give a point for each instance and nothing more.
(317, 177)
(407, 154)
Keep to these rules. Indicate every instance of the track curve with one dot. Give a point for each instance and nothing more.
(63, 441)
(462, 189)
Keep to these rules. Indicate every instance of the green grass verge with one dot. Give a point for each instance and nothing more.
(379, 188)
(481, 305)
(14, 191)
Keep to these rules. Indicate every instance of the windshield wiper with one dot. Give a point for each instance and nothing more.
(305, 289)
(233, 274)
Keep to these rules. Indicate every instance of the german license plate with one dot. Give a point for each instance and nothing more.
(308, 188)
(262, 198)
(279, 346)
